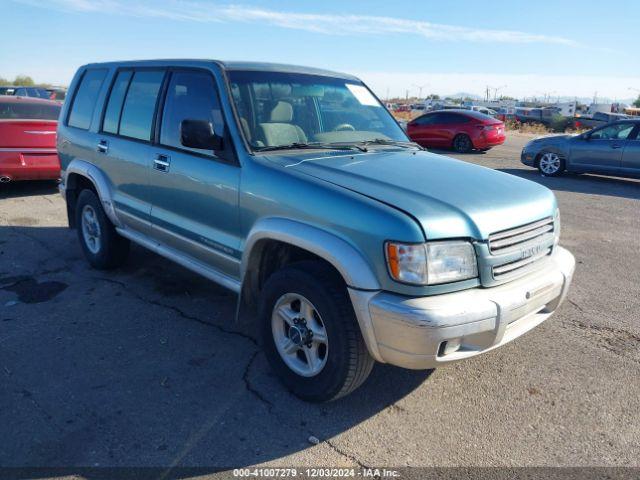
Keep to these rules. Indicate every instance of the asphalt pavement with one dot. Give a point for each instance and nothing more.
(144, 366)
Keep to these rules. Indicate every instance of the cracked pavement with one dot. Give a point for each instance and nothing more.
(144, 366)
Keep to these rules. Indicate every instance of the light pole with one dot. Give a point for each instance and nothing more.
(420, 87)
(496, 90)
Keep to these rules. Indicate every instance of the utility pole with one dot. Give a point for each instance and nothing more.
(420, 87)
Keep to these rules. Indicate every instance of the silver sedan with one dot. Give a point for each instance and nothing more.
(612, 149)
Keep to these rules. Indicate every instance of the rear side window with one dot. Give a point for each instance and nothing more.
(116, 99)
(192, 96)
(140, 104)
(29, 111)
(84, 101)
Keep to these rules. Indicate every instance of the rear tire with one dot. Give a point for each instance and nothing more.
(462, 143)
(101, 244)
(346, 362)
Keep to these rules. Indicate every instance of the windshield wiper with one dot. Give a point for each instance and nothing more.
(395, 143)
(310, 146)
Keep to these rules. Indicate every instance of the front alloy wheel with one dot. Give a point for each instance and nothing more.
(310, 333)
(299, 335)
(550, 164)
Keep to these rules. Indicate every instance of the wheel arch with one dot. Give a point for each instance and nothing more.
(81, 174)
(301, 239)
(309, 242)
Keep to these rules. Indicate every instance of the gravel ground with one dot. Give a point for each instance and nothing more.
(144, 366)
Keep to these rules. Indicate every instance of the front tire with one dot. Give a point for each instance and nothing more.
(462, 143)
(550, 164)
(310, 333)
(101, 244)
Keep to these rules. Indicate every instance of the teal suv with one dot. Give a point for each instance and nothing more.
(295, 188)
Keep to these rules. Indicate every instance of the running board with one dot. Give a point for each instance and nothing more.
(187, 262)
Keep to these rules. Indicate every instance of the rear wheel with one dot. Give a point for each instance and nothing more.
(310, 334)
(101, 244)
(550, 164)
(462, 143)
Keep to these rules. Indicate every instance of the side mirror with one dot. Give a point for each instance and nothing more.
(199, 134)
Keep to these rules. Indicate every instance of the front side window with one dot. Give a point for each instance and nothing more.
(619, 131)
(427, 119)
(84, 101)
(140, 104)
(190, 96)
(278, 109)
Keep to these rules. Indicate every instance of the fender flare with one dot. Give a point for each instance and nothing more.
(99, 181)
(345, 258)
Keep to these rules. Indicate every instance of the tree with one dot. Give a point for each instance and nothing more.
(23, 80)
(637, 102)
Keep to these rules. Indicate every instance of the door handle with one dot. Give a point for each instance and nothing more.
(103, 146)
(616, 145)
(162, 163)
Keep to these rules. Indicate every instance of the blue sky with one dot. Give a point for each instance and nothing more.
(522, 48)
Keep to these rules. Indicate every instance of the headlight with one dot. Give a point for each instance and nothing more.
(431, 263)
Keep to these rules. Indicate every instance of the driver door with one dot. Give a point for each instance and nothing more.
(602, 148)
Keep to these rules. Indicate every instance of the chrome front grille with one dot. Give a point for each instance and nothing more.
(516, 250)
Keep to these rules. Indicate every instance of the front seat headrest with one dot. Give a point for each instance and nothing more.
(282, 113)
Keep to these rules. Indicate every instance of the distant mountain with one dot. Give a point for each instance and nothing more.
(463, 95)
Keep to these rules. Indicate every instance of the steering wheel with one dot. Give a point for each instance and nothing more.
(344, 127)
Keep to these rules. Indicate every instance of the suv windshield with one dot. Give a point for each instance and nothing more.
(279, 109)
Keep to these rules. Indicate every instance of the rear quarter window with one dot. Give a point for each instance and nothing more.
(84, 101)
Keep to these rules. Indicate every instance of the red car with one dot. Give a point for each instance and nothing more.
(28, 139)
(462, 130)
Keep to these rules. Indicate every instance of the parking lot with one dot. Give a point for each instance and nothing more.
(144, 366)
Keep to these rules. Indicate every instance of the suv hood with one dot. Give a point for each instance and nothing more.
(449, 198)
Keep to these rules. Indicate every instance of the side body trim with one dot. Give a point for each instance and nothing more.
(187, 262)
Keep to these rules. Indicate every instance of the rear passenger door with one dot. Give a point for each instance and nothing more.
(194, 193)
(124, 145)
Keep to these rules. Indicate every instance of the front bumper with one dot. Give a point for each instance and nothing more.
(528, 157)
(428, 332)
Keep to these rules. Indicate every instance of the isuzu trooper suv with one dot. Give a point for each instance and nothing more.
(295, 188)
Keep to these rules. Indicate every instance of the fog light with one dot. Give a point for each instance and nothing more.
(449, 346)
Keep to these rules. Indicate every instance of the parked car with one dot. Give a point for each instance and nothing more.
(487, 111)
(58, 94)
(28, 139)
(544, 116)
(402, 108)
(612, 149)
(462, 130)
(18, 91)
(295, 188)
(599, 119)
(505, 114)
